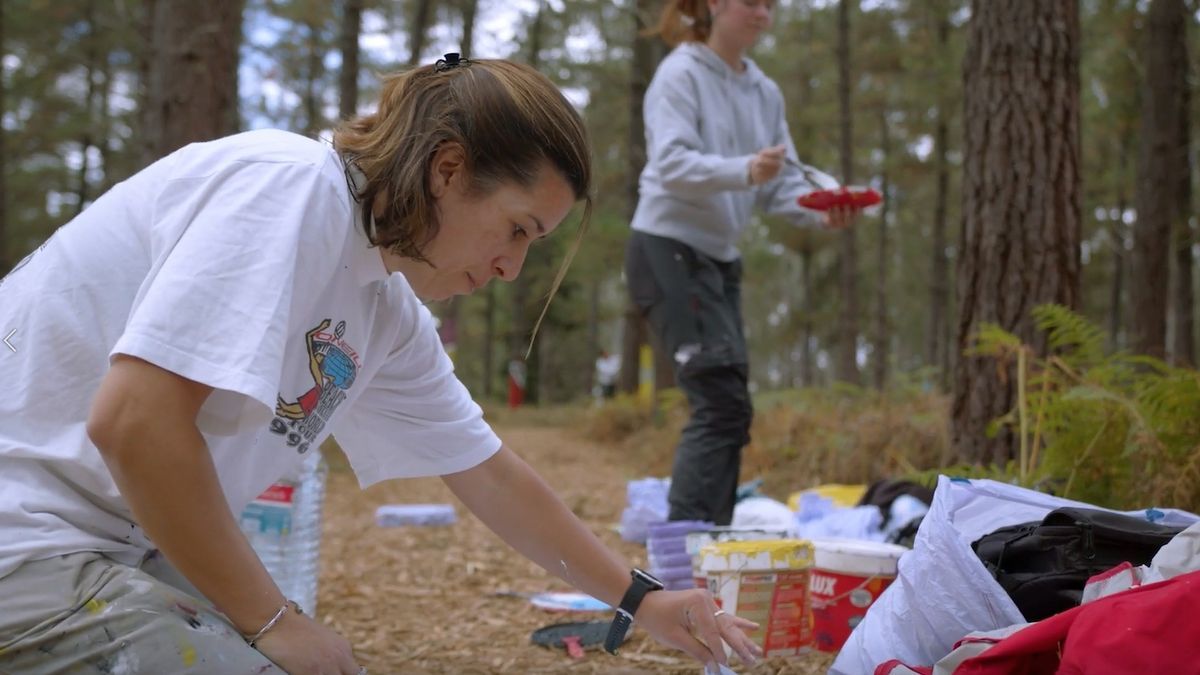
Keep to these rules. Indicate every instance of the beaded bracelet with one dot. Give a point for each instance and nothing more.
(274, 620)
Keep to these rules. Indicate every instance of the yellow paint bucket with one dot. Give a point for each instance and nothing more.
(766, 582)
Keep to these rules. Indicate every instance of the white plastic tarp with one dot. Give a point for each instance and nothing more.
(943, 591)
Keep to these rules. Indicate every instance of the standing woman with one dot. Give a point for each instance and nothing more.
(717, 145)
(204, 324)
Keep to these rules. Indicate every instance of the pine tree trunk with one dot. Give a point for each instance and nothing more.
(808, 374)
(1183, 345)
(847, 355)
(1021, 192)
(1117, 236)
(418, 29)
(193, 72)
(105, 140)
(469, 9)
(633, 336)
(647, 52)
(314, 119)
(805, 138)
(593, 331)
(489, 341)
(87, 139)
(348, 76)
(939, 295)
(147, 134)
(881, 352)
(1162, 168)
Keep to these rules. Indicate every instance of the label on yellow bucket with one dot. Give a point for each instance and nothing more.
(766, 582)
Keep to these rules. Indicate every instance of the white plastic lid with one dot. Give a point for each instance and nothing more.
(854, 556)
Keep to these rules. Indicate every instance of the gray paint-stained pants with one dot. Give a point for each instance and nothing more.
(87, 614)
(693, 304)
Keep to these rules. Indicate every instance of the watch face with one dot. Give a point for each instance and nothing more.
(647, 578)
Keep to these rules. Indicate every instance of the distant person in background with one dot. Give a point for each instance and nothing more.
(717, 145)
(608, 367)
(205, 323)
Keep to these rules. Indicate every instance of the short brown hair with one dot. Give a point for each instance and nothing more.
(684, 21)
(508, 117)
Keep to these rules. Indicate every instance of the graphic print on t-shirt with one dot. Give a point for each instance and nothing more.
(333, 365)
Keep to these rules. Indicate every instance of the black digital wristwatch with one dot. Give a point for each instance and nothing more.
(642, 584)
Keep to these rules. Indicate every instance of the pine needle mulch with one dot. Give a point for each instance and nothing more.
(428, 599)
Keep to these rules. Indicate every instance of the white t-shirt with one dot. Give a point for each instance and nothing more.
(240, 264)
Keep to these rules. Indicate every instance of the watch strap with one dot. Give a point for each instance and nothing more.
(641, 584)
(617, 630)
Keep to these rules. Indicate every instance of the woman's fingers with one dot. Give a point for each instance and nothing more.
(733, 632)
(700, 637)
(709, 633)
(691, 622)
(745, 648)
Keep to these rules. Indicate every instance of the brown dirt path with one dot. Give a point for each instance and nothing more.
(423, 600)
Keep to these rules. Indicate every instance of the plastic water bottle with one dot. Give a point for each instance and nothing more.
(284, 527)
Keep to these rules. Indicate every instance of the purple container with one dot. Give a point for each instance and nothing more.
(664, 548)
(666, 574)
(680, 584)
(657, 561)
(677, 528)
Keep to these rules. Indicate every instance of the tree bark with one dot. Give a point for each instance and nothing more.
(648, 51)
(147, 140)
(193, 72)
(87, 139)
(105, 141)
(489, 340)
(593, 331)
(805, 138)
(939, 288)
(418, 29)
(348, 77)
(1183, 346)
(314, 119)
(881, 352)
(847, 358)
(1117, 236)
(469, 9)
(633, 336)
(808, 370)
(1162, 170)
(1021, 198)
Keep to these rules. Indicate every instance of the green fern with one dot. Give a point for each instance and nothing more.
(1080, 342)
(992, 340)
(1117, 430)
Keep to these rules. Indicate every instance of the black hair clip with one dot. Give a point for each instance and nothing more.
(451, 61)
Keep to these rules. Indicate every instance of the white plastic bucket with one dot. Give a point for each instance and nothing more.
(847, 576)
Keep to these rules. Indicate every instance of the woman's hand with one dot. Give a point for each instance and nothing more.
(302, 646)
(691, 622)
(841, 217)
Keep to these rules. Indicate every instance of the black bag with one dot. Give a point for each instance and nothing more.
(1044, 566)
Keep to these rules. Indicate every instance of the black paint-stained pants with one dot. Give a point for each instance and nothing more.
(693, 304)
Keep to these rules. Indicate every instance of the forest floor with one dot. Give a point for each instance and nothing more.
(427, 599)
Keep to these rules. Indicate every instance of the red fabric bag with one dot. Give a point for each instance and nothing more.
(1149, 629)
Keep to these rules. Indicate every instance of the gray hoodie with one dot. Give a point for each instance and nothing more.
(704, 123)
